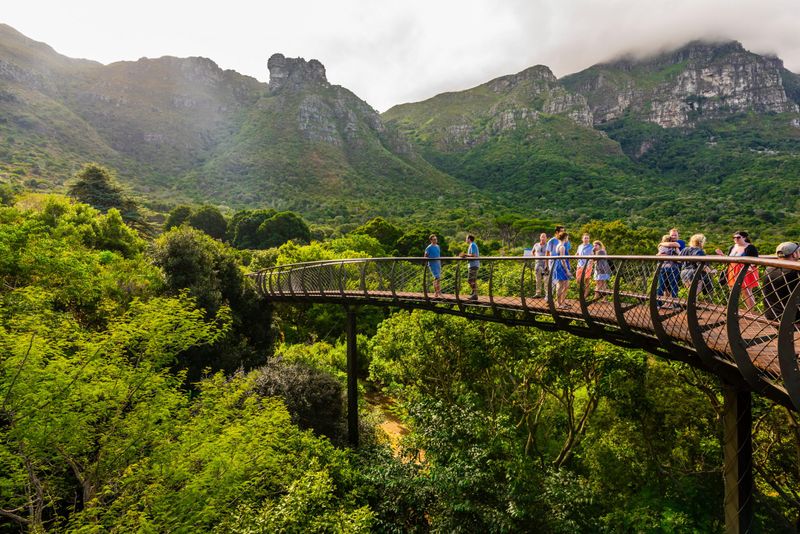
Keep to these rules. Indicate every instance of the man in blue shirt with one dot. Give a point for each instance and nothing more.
(472, 278)
(432, 252)
(673, 234)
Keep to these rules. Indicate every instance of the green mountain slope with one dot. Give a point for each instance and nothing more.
(317, 148)
(183, 129)
(719, 125)
(42, 140)
(706, 135)
(528, 140)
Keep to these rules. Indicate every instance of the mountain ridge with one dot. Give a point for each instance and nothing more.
(604, 139)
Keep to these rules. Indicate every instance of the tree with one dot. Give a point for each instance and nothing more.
(243, 228)
(508, 228)
(193, 260)
(208, 269)
(210, 220)
(95, 185)
(8, 194)
(314, 398)
(282, 227)
(413, 242)
(382, 230)
(621, 239)
(177, 216)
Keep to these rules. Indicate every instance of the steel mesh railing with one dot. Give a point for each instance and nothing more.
(728, 312)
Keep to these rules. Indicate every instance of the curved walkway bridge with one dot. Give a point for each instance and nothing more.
(697, 310)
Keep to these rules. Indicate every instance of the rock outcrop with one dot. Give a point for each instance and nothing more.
(294, 73)
(700, 80)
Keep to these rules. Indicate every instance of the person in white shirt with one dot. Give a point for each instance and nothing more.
(584, 269)
(540, 269)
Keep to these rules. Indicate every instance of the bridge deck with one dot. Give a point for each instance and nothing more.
(757, 332)
(724, 328)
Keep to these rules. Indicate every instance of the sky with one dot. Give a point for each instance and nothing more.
(389, 53)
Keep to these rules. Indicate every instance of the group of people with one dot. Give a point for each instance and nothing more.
(550, 254)
(559, 245)
(778, 282)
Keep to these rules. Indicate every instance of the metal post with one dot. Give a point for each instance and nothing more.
(352, 378)
(737, 469)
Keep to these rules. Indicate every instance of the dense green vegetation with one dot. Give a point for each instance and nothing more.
(735, 172)
(143, 387)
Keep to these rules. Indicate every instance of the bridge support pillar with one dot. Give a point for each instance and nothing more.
(352, 377)
(737, 469)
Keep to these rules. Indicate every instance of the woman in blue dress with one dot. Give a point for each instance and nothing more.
(561, 271)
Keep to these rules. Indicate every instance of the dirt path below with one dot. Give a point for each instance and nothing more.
(391, 424)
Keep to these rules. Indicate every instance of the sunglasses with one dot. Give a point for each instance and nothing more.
(737, 237)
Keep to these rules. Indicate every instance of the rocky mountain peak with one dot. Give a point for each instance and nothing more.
(675, 89)
(294, 73)
(538, 73)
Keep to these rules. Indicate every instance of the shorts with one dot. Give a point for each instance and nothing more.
(584, 272)
(472, 276)
(436, 269)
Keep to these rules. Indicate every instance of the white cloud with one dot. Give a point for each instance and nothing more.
(392, 52)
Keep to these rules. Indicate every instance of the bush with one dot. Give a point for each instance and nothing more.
(314, 398)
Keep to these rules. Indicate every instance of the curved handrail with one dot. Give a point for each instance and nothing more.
(705, 310)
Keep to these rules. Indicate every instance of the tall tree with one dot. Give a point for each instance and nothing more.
(282, 227)
(243, 227)
(95, 185)
(210, 220)
(382, 230)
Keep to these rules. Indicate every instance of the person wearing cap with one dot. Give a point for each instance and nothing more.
(779, 282)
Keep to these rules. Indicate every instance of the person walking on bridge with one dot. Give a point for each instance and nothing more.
(433, 252)
(474, 265)
(668, 271)
(602, 270)
(551, 250)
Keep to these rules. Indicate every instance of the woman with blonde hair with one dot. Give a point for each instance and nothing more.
(689, 268)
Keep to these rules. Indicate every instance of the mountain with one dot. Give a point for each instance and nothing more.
(696, 82)
(708, 134)
(182, 129)
(150, 119)
(527, 139)
(719, 125)
(307, 143)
